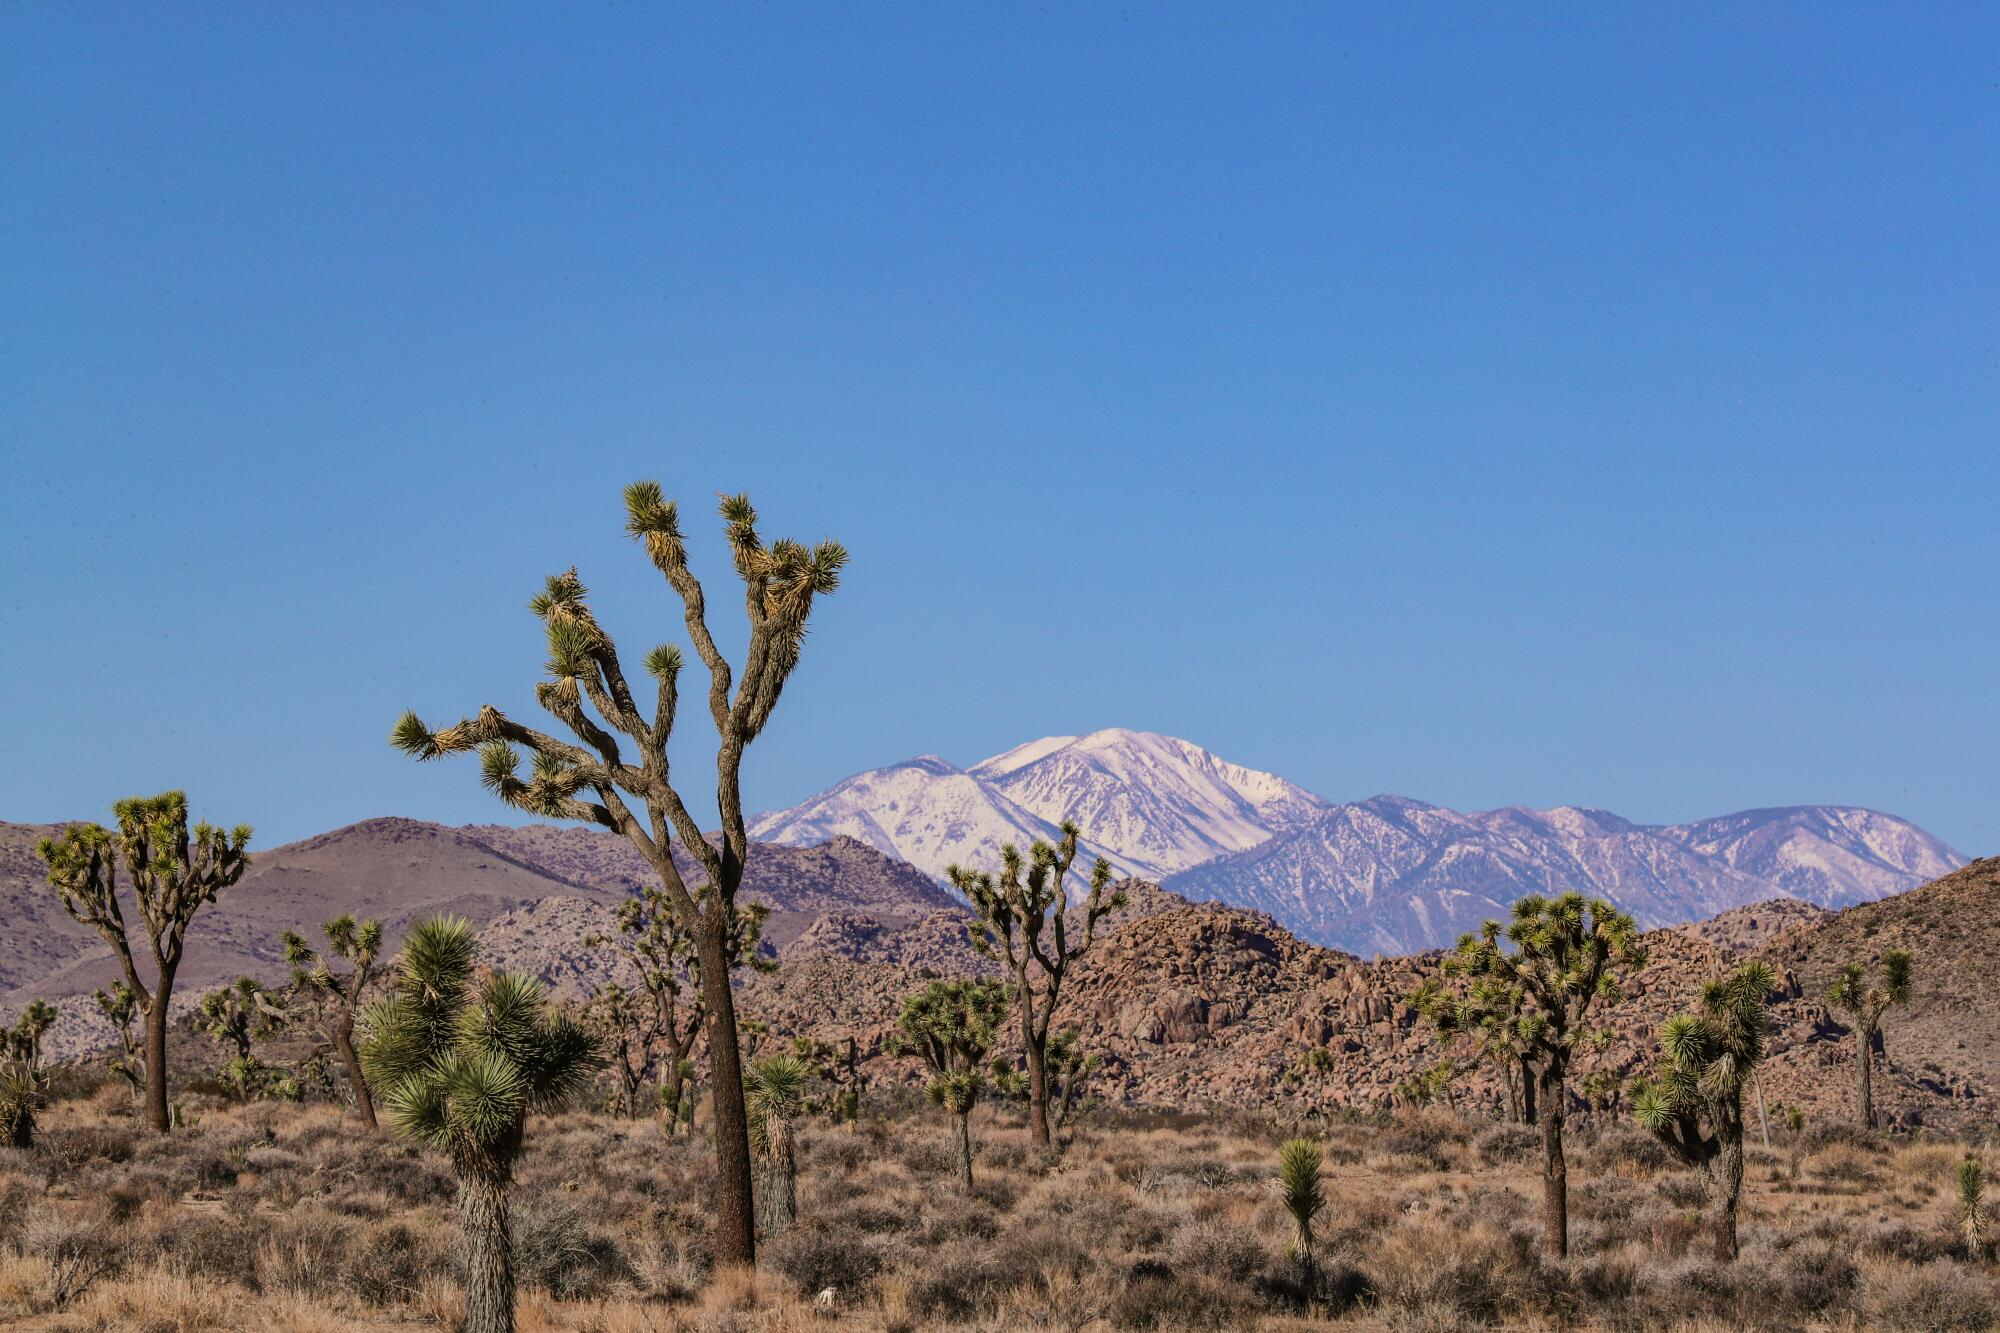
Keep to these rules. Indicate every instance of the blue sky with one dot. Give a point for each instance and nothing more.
(1547, 407)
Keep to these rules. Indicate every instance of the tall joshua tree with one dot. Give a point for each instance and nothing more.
(359, 945)
(1864, 1004)
(459, 1063)
(1024, 923)
(171, 872)
(594, 780)
(1694, 1103)
(1565, 958)
(952, 1026)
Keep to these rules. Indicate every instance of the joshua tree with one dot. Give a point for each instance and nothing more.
(121, 1007)
(25, 1041)
(656, 1024)
(1864, 1006)
(170, 871)
(458, 1064)
(775, 1092)
(951, 1026)
(21, 1074)
(1430, 1085)
(1024, 924)
(1070, 1067)
(639, 800)
(840, 1069)
(1565, 956)
(1488, 1018)
(1299, 1190)
(1972, 1207)
(241, 1014)
(1694, 1103)
(359, 945)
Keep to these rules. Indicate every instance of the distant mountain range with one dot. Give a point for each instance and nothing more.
(1383, 876)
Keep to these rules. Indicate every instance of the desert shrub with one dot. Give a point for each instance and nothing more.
(1476, 1271)
(1812, 1277)
(956, 1283)
(1163, 1300)
(1627, 1150)
(1508, 1143)
(1184, 1172)
(1683, 1190)
(213, 1245)
(388, 1264)
(90, 1143)
(1219, 1250)
(305, 1253)
(837, 1152)
(556, 1249)
(968, 1220)
(815, 1257)
(1824, 1134)
(1901, 1241)
(1846, 1165)
(1428, 1136)
(1043, 1252)
(928, 1155)
(1939, 1297)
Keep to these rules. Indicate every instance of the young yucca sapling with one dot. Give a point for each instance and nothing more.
(1972, 1207)
(774, 1090)
(1299, 1190)
(458, 1063)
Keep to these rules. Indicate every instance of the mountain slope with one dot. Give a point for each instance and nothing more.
(1830, 855)
(403, 869)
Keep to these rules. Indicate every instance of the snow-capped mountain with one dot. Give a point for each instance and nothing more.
(1832, 855)
(1149, 804)
(1386, 875)
(1392, 875)
(1159, 804)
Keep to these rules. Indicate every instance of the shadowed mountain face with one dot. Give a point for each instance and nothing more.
(404, 869)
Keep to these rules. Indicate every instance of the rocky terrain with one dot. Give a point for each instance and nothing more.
(1201, 1003)
(1388, 875)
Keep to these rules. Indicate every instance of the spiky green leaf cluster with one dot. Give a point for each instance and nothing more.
(460, 1061)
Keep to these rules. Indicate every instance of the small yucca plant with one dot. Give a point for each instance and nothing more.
(1972, 1206)
(459, 1066)
(774, 1092)
(1299, 1190)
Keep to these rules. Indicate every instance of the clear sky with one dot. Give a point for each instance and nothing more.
(1489, 404)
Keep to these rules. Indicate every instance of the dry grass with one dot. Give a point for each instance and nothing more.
(289, 1218)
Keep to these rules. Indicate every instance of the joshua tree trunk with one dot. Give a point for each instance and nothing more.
(735, 1215)
(1728, 1186)
(1038, 1072)
(22, 1135)
(158, 1115)
(343, 1040)
(1527, 1091)
(489, 1271)
(964, 1134)
(1555, 1171)
(671, 1093)
(1864, 1059)
(778, 1205)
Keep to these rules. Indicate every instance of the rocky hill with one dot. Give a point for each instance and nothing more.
(1205, 1003)
(400, 870)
